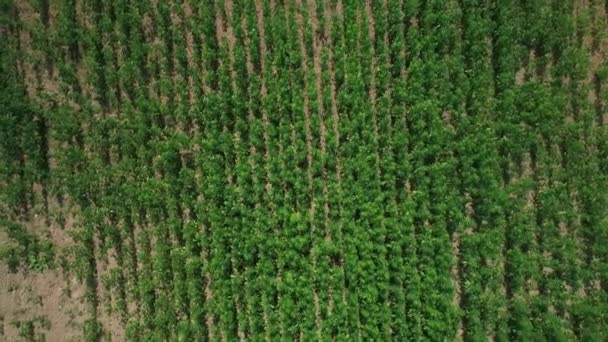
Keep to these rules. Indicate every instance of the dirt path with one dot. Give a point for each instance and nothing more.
(335, 14)
(372, 89)
(107, 312)
(44, 298)
(599, 54)
(260, 25)
(309, 151)
(53, 299)
(191, 67)
(317, 47)
(456, 281)
(228, 21)
(319, 89)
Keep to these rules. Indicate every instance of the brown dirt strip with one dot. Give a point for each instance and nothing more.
(109, 319)
(230, 38)
(595, 43)
(312, 209)
(263, 88)
(335, 14)
(317, 47)
(500, 263)
(252, 149)
(37, 81)
(456, 272)
(26, 63)
(189, 41)
(32, 59)
(281, 148)
(265, 121)
(227, 22)
(599, 55)
(339, 12)
(212, 328)
(456, 281)
(207, 291)
(237, 296)
(372, 89)
(319, 88)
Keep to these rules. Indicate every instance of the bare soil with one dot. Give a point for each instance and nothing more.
(41, 295)
(49, 295)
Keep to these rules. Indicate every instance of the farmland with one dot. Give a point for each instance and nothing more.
(350, 170)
